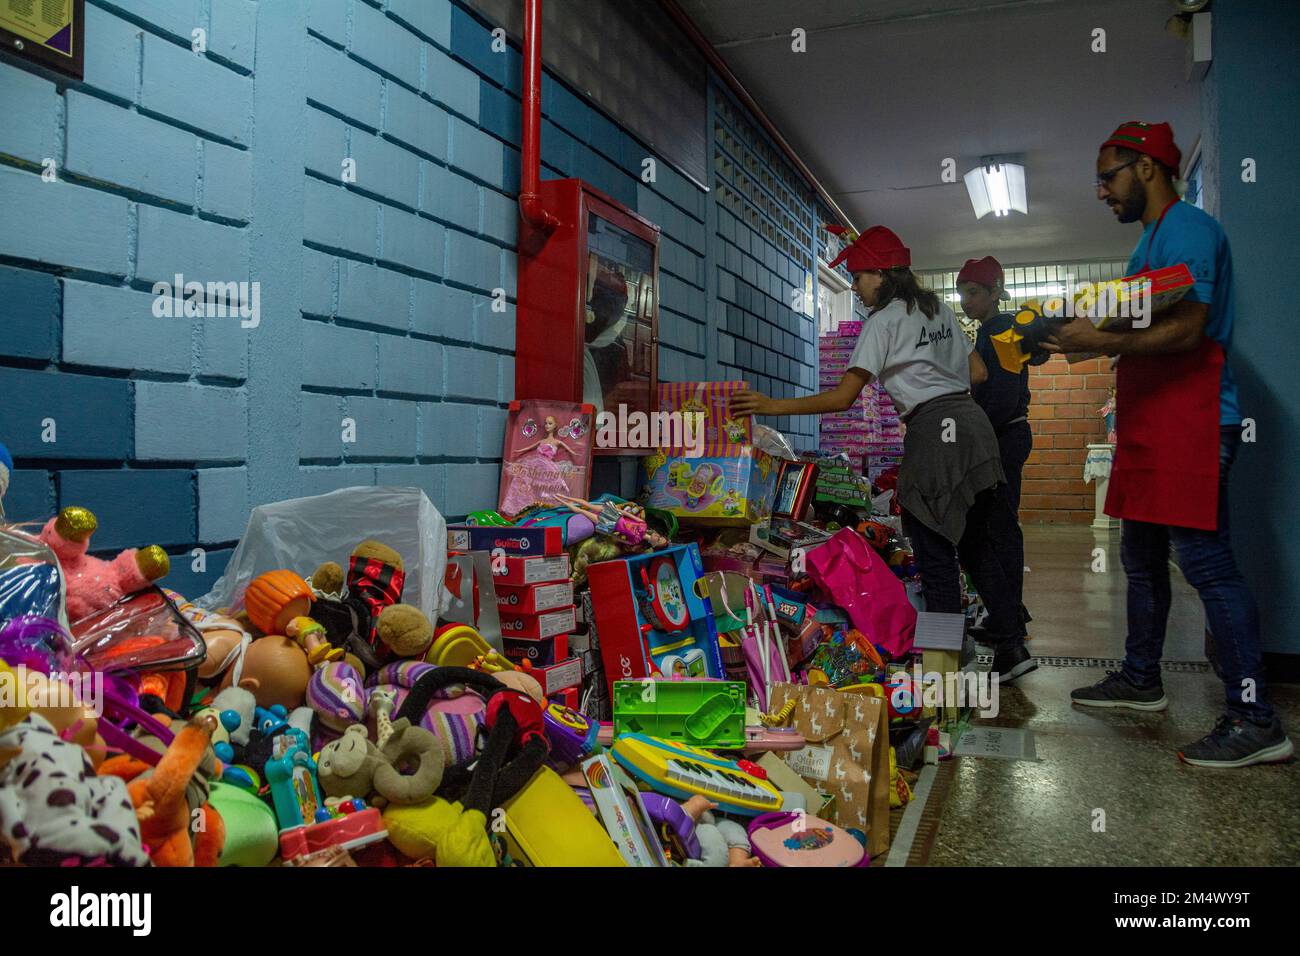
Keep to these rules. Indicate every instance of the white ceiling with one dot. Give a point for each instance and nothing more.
(890, 88)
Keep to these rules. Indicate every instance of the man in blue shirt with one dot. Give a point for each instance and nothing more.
(1177, 406)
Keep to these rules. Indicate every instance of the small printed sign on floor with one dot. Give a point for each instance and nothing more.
(1002, 743)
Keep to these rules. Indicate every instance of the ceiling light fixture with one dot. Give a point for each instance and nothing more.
(997, 187)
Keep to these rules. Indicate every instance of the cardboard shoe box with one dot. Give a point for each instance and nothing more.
(534, 598)
(538, 626)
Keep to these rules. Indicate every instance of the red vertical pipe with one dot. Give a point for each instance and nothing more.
(530, 201)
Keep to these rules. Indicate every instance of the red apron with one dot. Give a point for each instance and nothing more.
(1166, 467)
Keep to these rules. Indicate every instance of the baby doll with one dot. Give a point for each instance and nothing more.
(720, 839)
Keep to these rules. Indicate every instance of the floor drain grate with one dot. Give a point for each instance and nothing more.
(1183, 667)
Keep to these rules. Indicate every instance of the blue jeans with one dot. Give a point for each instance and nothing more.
(1205, 558)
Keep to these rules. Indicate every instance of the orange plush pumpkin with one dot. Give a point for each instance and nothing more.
(275, 598)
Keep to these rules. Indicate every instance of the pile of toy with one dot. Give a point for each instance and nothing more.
(564, 680)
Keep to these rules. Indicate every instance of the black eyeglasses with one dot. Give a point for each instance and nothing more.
(1104, 179)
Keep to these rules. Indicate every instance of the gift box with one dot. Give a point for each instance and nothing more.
(547, 541)
(651, 618)
(706, 405)
(558, 677)
(714, 490)
(547, 453)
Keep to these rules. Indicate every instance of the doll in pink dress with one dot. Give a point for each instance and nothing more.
(536, 477)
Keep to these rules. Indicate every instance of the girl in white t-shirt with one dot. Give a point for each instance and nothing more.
(912, 343)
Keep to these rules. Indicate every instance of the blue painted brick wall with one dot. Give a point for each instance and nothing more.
(390, 319)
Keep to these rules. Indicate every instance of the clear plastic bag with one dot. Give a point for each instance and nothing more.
(143, 631)
(773, 442)
(31, 580)
(302, 533)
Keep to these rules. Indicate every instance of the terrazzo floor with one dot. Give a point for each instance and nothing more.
(1108, 788)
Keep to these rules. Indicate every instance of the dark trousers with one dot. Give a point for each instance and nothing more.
(1205, 558)
(1015, 442)
(984, 555)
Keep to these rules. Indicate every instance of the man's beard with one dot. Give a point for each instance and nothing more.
(1134, 204)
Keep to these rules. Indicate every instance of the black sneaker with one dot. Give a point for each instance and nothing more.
(1235, 742)
(1114, 690)
(1011, 661)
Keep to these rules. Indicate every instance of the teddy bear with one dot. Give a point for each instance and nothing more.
(405, 769)
(374, 580)
(93, 584)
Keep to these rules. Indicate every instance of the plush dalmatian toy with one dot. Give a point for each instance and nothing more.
(54, 809)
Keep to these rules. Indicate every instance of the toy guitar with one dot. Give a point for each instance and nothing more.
(681, 771)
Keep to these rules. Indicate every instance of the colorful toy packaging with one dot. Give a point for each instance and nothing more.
(708, 426)
(725, 490)
(651, 617)
(547, 452)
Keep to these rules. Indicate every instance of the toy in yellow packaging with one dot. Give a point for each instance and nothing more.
(547, 824)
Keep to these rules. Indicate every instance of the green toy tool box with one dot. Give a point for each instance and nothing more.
(702, 713)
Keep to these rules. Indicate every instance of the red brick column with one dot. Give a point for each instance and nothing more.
(1064, 413)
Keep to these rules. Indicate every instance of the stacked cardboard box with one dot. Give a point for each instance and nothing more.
(535, 605)
(849, 431)
(885, 441)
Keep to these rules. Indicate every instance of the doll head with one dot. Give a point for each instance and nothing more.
(549, 424)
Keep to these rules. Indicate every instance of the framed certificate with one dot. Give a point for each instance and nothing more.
(49, 32)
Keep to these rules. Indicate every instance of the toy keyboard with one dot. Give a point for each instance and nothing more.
(682, 771)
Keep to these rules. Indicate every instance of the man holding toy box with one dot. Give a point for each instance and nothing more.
(1180, 432)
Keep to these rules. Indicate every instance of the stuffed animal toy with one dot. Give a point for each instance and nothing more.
(54, 809)
(407, 769)
(164, 802)
(337, 695)
(375, 576)
(454, 833)
(442, 831)
(404, 630)
(349, 604)
(93, 584)
(275, 669)
(453, 712)
(516, 742)
(346, 767)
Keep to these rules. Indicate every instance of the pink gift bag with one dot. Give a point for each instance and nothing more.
(858, 580)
